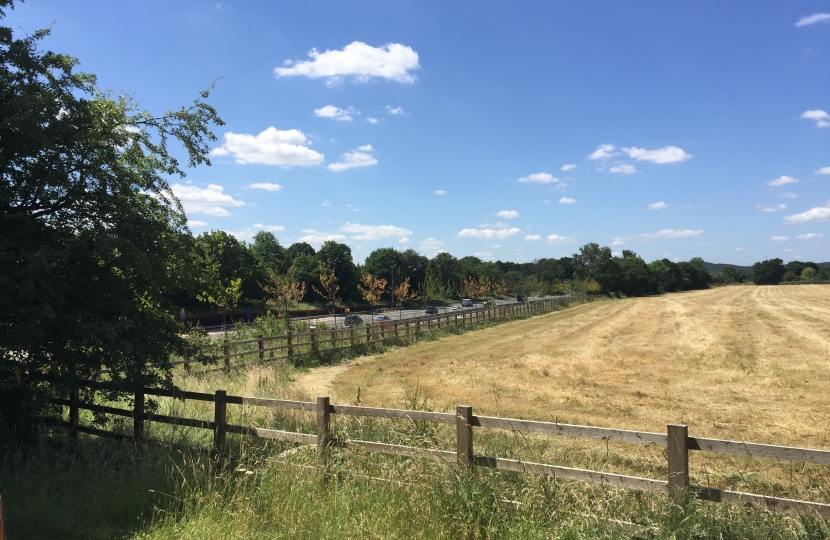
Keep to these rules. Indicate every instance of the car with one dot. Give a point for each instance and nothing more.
(382, 318)
(490, 303)
(431, 310)
(467, 302)
(454, 308)
(352, 320)
(520, 298)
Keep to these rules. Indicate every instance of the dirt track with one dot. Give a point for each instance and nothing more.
(740, 362)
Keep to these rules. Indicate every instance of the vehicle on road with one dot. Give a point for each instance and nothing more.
(431, 310)
(467, 302)
(454, 308)
(382, 318)
(352, 320)
(520, 298)
(490, 303)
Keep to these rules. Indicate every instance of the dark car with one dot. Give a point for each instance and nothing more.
(352, 320)
(431, 310)
(520, 298)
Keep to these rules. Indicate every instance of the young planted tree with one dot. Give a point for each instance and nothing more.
(403, 292)
(282, 292)
(329, 287)
(371, 289)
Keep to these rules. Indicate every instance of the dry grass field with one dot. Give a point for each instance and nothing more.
(745, 362)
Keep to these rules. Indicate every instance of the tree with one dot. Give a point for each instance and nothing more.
(596, 263)
(403, 292)
(93, 237)
(371, 289)
(268, 252)
(221, 291)
(808, 273)
(339, 258)
(282, 292)
(769, 272)
(328, 285)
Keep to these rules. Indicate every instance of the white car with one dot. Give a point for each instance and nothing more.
(382, 318)
(455, 308)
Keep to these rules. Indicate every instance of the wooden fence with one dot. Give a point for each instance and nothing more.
(676, 440)
(314, 341)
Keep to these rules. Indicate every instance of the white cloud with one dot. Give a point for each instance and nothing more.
(774, 208)
(813, 215)
(821, 118)
(618, 243)
(823, 170)
(404, 240)
(532, 237)
(661, 234)
(318, 237)
(625, 168)
(739, 249)
(326, 203)
(809, 236)
(248, 233)
(360, 61)
(267, 186)
(489, 233)
(271, 147)
(356, 158)
(603, 151)
(538, 178)
(779, 238)
(556, 239)
(335, 113)
(430, 244)
(667, 154)
(658, 205)
(813, 19)
(508, 214)
(211, 200)
(483, 255)
(782, 180)
(371, 120)
(374, 232)
(395, 110)
(196, 223)
(566, 200)
(568, 167)
(440, 192)
(788, 195)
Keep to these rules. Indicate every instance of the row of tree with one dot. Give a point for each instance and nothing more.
(773, 272)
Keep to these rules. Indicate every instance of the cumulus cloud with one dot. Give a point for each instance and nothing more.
(440, 192)
(556, 239)
(813, 215)
(773, 208)
(430, 244)
(603, 151)
(335, 113)
(286, 148)
(404, 240)
(489, 233)
(568, 167)
(318, 237)
(508, 214)
(787, 195)
(667, 154)
(356, 158)
(809, 236)
(782, 181)
(211, 200)
(823, 170)
(374, 232)
(821, 118)
(813, 19)
(357, 60)
(566, 200)
(625, 168)
(658, 205)
(267, 186)
(538, 178)
(395, 110)
(618, 242)
(248, 233)
(532, 237)
(371, 120)
(196, 223)
(779, 238)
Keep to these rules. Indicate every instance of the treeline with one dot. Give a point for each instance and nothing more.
(773, 272)
(230, 272)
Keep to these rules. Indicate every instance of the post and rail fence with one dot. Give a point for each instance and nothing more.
(676, 440)
(291, 344)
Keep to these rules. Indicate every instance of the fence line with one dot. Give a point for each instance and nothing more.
(315, 341)
(676, 440)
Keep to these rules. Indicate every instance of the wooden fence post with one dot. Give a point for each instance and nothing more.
(351, 336)
(368, 334)
(138, 416)
(464, 435)
(313, 339)
(334, 338)
(261, 344)
(73, 412)
(226, 350)
(220, 417)
(678, 454)
(290, 344)
(323, 426)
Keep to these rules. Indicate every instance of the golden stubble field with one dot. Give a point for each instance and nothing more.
(744, 362)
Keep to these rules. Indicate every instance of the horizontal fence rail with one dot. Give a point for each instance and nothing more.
(676, 440)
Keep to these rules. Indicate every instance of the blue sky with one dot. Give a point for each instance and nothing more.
(506, 130)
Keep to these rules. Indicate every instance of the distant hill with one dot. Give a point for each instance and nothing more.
(718, 267)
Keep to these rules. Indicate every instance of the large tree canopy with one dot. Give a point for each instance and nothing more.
(93, 237)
